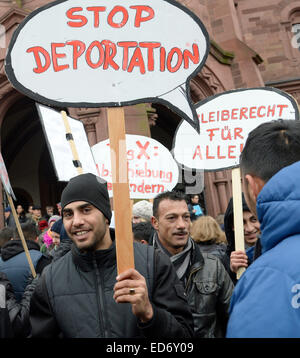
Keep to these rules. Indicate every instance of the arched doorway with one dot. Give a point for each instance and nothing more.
(26, 156)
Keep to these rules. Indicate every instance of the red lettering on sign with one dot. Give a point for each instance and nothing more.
(197, 153)
(230, 150)
(96, 10)
(218, 153)
(150, 46)
(170, 57)
(281, 106)
(78, 50)
(110, 52)
(36, 51)
(259, 114)
(137, 61)
(126, 45)
(187, 55)
(162, 59)
(94, 44)
(138, 16)
(82, 19)
(113, 12)
(55, 56)
(142, 149)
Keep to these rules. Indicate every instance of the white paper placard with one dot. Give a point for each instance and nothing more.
(225, 122)
(114, 53)
(59, 146)
(151, 167)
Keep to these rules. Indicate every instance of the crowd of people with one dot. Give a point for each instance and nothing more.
(184, 283)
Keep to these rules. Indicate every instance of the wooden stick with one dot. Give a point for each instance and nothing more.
(11, 203)
(71, 141)
(123, 226)
(238, 214)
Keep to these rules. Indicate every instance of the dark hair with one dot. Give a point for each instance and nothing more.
(270, 147)
(29, 230)
(5, 235)
(169, 195)
(142, 231)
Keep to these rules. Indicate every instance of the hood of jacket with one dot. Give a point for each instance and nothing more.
(15, 247)
(278, 207)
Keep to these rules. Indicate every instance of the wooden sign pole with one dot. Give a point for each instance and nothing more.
(71, 142)
(238, 214)
(123, 226)
(11, 203)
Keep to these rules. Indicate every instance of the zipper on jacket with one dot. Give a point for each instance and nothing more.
(100, 300)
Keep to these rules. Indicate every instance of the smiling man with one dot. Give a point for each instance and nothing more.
(81, 296)
(207, 284)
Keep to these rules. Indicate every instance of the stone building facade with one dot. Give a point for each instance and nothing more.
(252, 45)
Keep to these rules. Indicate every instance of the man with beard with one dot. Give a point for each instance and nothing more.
(265, 302)
(80, 295)
(207, 284)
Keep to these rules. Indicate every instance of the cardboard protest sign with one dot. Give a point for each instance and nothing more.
(87, 54)
(5, 179)
(58, 144)
(225, 121)
(151, 167)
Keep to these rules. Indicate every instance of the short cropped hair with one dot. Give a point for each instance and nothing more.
(169, 195)
(142, 231)
(270, 147)
(29, 230)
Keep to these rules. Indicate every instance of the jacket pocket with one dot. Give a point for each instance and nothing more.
(206, 287)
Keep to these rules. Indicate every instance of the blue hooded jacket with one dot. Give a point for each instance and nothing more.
(266, 300)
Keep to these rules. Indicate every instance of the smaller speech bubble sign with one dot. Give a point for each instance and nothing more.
(112, 54)
(150, 167)
(59, 147)
(226, 120)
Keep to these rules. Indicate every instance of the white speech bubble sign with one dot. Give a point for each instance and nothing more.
(151, 167)
(59, 147)
(110, 53)
(225, 121)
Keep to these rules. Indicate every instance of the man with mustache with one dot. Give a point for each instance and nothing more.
(207, 284)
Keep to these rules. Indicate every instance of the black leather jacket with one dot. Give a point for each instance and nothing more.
(209, 289)
(74, 298)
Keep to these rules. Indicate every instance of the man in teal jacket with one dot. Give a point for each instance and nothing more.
(266, 300)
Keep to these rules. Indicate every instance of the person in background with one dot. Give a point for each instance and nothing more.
(6, 234)
(55, 235)
(49, 212)
(13, 260)
(58, 207)
(206, 232)
(9, 218)
(265, 302)
(142, 232)
(194, 207)
(36, 214)
(207, 284)
(220, 221)
(237, 259)
(17, 312)
(141, 211)
(21, 214)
